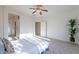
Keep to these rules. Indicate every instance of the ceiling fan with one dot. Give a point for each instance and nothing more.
(39, 8)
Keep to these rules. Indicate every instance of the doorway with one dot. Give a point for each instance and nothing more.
(38, 28)
(14, 25)
(41, 28)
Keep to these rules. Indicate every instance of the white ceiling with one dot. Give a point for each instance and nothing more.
(51, 8)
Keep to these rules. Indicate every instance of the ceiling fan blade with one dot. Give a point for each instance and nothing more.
(45, 10)
(33, 12)
(32, 8)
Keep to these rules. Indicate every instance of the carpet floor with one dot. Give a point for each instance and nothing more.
(60, 47)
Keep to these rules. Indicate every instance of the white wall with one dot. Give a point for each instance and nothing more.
(26, 23)
(1, 22)
(57, 19)
(57, 22)
(77, 35)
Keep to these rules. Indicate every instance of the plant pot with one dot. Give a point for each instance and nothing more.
(72, 39)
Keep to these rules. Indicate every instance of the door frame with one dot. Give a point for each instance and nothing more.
(15, 24)
(45, 22)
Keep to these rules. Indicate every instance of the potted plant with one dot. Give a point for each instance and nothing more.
(72, 29)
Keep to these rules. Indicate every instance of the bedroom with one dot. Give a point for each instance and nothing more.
(53, 23)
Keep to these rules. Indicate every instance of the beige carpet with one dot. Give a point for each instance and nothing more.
(60, 47)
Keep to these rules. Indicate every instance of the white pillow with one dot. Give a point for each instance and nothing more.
(8, 46)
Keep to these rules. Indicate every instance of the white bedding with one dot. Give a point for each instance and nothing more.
(23, 46)
(30, 45)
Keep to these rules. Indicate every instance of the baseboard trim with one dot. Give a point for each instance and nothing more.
(73, 43)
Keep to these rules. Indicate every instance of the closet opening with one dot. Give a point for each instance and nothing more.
(14, 25)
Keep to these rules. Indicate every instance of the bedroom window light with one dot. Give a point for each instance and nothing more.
(25, 35)
(29, 34)
(21, 36)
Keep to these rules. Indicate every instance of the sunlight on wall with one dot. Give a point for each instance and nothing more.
(21, 36)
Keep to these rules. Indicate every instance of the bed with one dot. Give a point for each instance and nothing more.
(29, 45)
